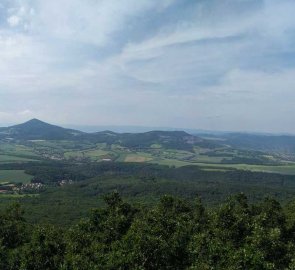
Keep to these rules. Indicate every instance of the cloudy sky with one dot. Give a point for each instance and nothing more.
(206, 64)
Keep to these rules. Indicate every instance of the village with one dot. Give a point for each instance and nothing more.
(28, 188)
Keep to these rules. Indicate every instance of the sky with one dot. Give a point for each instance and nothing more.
(199, 64)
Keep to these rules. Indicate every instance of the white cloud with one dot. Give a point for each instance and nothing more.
(89, 21)
(13, 21)
(205, 64)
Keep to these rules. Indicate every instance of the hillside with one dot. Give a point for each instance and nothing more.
(35, 129)
(37, 140)
(280, 144)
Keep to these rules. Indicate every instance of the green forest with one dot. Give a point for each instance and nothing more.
(63, 192)
(156, 200)
(173, 234)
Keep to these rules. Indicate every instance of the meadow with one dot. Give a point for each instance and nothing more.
(219, 158)
(14, 176)
(37, 140)
(12, 158)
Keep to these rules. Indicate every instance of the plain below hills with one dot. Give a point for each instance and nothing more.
(36, 140)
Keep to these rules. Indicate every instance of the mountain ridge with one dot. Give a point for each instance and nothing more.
(36, 129)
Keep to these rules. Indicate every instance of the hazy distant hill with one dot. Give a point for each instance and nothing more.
(283, 144)
(38, 130)
(181, 140)
(168, 139)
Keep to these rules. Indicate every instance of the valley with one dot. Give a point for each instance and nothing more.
(36, 140)
(53, 168)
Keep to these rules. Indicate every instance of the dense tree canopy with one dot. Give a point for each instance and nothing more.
(175, 234)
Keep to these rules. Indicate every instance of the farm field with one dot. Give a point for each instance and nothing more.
(11, 158)
(281, 169)
(171, 162)
(17, 149)
(154, 154)
(14, 176)
(138, 157)
(169, 149)
(17, 196)
(286, 169)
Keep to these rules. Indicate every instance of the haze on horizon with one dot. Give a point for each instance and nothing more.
(207, 64)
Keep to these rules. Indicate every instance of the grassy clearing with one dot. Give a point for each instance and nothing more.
(72, 154)
(176, 157)
(24, 150)
(138, 157)
(14, 176)
(215, 169)
(62, 145)
(11, 158)
(16, 149)
(208, 159)
(135, 158)
(171, 162)
(286, 169)
(17, 196)
(94, 154)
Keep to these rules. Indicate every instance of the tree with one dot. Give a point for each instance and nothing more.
(92, 242)
(45, 250)
(159, 239)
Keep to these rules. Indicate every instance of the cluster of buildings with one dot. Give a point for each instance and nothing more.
(65, 182)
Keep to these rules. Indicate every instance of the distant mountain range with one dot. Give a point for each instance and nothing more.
(35, 129)
(283, 144)
(38, 130)
(139, 129)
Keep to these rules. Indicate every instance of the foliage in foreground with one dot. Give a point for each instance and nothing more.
(175, 234)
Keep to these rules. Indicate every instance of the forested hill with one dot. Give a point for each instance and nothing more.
(39, 130)
(35, 129)
(167, 139)
(180, 140)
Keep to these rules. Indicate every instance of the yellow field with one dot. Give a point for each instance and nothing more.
(136, 158)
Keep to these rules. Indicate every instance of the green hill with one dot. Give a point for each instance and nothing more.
(35, 129)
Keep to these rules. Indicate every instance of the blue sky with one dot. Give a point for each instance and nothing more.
(206, 64)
